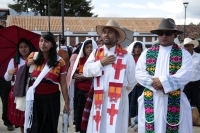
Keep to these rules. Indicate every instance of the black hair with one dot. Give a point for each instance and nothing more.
(78, 48)
(1, 27)
(52, 57)
(79, 44)
(62, 41)
(85, 44)
(138, 44)
(18, 55)
(69, 51)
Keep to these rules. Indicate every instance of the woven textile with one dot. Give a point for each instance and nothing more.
(173, 112)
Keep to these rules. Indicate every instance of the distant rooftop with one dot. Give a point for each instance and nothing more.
(80, 24)
(4, 9)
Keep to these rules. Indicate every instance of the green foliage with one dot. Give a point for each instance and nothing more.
(77, 8)
(191, 23)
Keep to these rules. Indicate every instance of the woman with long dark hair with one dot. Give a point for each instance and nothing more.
(24, 48)
(46, 105)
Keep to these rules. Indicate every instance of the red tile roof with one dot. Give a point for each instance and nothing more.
(86, 24)
(80, 24)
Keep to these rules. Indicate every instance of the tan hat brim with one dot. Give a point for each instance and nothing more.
(194, 42)
(156, 31)
(122, 34)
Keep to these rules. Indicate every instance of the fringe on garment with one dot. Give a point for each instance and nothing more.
(28, 115)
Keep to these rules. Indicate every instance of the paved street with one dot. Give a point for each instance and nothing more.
(3, 129)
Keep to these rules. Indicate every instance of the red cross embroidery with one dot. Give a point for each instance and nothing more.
(98, 79)
(118, 67)
(112, 112)
(114, 91)
(98, 98)
(97, 119)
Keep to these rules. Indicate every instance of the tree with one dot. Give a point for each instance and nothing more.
(79, 8)
(191, 23)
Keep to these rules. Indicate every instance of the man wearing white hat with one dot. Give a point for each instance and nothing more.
(114, 77)
(192, 88)
(164, 70)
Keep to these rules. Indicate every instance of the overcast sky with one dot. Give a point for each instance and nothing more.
(143, 8)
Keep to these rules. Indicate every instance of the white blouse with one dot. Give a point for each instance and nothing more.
(196, 67)
(7, 76)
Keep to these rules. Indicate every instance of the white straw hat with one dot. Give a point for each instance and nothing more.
(190, 41)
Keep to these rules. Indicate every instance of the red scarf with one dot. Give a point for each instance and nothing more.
(86, 111)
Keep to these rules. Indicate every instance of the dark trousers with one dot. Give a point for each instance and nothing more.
(79, 105)
(192, 92)
(5, 87)
(133, 103)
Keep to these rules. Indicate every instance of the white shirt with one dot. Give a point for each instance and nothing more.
(196, 67)
(93, 69)
(64, 48)
(7, 76)
(169, 83)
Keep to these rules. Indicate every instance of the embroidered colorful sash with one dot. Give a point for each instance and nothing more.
(173, 112)
(81, 64)
(116, 77)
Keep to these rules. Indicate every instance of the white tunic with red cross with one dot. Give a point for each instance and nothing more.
(109, 113)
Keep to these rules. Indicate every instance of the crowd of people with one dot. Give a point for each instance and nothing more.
(104, 84)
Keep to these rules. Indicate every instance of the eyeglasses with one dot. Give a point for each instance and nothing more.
(167, 33)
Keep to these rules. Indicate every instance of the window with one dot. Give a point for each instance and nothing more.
(3, 13)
